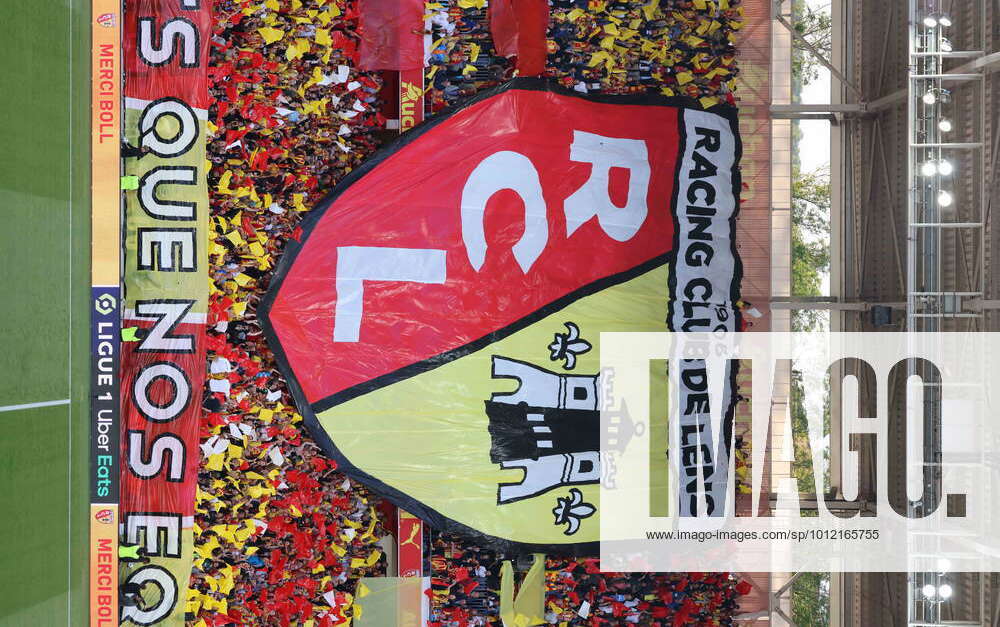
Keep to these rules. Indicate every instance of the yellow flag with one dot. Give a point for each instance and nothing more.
(507, 594)
(271, 35)
(529, 606)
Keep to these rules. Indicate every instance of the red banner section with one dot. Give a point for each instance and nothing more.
(163, 355)
(489, 280)
(392, 35)
(518, 28)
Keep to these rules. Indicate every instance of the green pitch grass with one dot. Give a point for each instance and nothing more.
(44, 293)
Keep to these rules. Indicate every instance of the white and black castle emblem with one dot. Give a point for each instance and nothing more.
(549, 427)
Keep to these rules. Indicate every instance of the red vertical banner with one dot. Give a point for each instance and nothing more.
(165, 55)
(392, 35)
(518, 28)
(410, 543)
(409, 528)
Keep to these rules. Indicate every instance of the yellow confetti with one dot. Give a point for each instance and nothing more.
(597, 58)
(650, 10)
(297, 49)
(709, 101)
(683, 78)
(214, 462)
(234, 452)
(243, 280)
(239, 308)
(323, 37)
(226, 585)
(223, 187)
(271, 35)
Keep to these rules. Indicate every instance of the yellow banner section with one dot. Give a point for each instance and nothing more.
(469, 457)
(389, 602)
(166, 238)
(106, 70)
(152, 579)
(103, 565)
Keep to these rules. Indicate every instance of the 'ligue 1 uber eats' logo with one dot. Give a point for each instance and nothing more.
(105, 304)
(446, 301)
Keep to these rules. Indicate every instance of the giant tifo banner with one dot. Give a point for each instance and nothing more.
(166, 293)
(439, 318)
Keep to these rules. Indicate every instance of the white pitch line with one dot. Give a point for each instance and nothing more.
(64, 401)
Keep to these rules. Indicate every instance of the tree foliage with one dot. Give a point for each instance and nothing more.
(816, 27)
(811, 600)
(810, 242)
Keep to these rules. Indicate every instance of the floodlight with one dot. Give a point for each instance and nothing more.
(929, 98)
(945, 168)
(930, 21)
(944, 125)
(944, 198)
(928, 168)
(929, 590)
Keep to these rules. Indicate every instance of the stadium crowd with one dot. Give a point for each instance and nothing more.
(465, 580)
(671, 47)
(280, 536)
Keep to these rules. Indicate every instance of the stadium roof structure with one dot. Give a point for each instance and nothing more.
(915, 141)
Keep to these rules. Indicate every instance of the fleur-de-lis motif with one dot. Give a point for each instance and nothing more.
(571, 510)
(568, 345)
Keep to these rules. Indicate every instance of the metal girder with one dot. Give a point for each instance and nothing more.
(829, 112)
